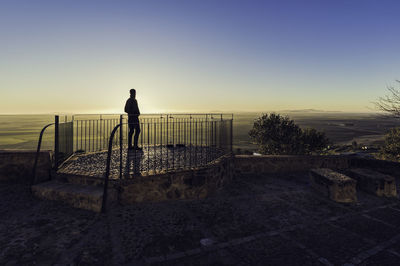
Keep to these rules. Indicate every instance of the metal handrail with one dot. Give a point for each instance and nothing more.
(37, 153)
(157, 114)
(216, 115)
(107, 173)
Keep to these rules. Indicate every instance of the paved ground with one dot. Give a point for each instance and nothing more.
(255, 221)
(150, 159)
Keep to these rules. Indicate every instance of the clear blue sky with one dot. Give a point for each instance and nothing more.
(84, 56)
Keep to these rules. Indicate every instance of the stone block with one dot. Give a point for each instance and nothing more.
(374, 182)
(338, 187)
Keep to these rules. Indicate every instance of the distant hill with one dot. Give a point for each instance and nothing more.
(308, 111)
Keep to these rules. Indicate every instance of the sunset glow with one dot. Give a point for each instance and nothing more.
(186, 56)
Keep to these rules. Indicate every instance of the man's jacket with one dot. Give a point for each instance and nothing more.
(132, 108)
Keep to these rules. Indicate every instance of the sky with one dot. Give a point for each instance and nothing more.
(197, 56)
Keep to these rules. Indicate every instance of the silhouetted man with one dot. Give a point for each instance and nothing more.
(132, 108)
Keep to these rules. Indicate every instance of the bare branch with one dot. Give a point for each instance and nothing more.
(390, 103)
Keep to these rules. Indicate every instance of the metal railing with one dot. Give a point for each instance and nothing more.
(91, 131)
(62, 144)
(33, 176)
(170, 143)
(182, 144)
(107, 173)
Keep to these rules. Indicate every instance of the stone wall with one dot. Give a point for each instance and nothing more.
(17, 166)
(267, 164)
(186, 184)
(387, 167)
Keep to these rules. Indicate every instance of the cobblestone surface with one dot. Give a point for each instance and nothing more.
(268, 220)
(150, 159)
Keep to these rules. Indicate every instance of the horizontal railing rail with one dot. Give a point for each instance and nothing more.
(76, 116)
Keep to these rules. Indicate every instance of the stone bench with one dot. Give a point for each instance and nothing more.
(336, 186)
(374, 182)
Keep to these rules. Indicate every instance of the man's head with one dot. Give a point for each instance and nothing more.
(133, 93)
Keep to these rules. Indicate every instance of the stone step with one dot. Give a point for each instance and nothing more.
(75, 195)
(338, 187)
(374, 182)
(79, 179)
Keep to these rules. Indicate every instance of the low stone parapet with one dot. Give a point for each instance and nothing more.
(17, 165)
(338, 187)
(78, 196)
(374, 182)
(194, 183)
(267, 164)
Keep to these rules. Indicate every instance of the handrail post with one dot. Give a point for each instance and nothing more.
(107, 173)
(120, 147)
(37, 154)
(56, 142)
(231, 142)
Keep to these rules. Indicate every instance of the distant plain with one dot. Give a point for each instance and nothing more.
(22, 131)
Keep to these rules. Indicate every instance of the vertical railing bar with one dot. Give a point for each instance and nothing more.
(148, 147)
(135, 164)
(201, 142)
(93, 134)
(167, 141)
(56, 141)
(76, 141)
(101, 133)
(86, 136)
(195, 139)
(120, 146)
(184, 141)
(216, 139)
(161, 144)
(90, 135)
(81, 135)
(207, 141)
(173, 142)
(141, 133)
(155, 146)
(96, 131)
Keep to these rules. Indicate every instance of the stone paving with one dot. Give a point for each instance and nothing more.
(258, 220)
(150, 159)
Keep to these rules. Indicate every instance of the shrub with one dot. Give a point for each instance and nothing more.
(391, 147)
(314, 141)
(276, 134)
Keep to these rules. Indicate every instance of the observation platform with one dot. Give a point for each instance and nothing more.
(150, 160)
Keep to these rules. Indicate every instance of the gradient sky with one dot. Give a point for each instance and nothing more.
(186, 56)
